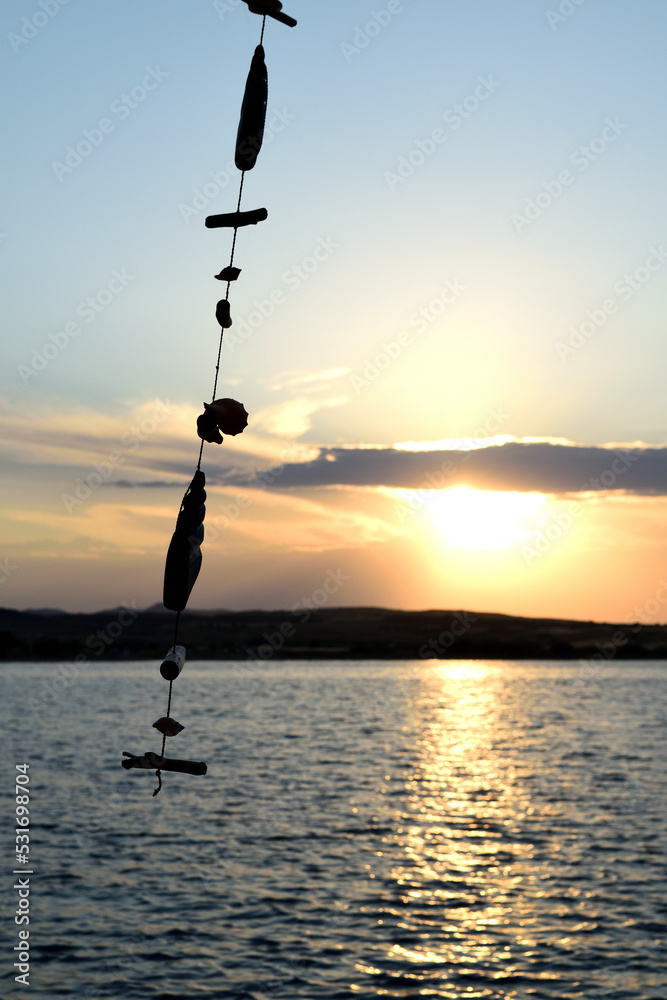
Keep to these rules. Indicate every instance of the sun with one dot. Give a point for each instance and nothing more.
(485, 519)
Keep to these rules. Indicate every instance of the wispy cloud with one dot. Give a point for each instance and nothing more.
(153, 444)
(293, 417)
(149, 443)
(306, 381)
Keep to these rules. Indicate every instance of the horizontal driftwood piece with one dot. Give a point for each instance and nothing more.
(235, 219)
(152, 761)
(271, 8)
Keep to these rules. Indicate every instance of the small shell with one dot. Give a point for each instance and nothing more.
(229, 415)
(168, 727)
(207, 428)
(228, 274)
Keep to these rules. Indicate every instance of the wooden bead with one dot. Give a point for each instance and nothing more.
(222, 314)
(173, 663)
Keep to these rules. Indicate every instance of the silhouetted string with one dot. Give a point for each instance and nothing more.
(231, 262)
(178, 618)
(222, 330)
(164, 738)
(201, 446)
(236, 228)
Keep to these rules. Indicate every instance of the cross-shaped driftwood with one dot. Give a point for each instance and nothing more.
(152, 761)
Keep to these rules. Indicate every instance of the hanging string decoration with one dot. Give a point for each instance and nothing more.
(220, 416)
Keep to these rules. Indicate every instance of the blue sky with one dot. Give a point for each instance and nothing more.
(466, 218)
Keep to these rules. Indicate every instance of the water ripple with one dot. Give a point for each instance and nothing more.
(457, 830)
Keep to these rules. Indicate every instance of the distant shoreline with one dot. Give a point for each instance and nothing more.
(126, 633)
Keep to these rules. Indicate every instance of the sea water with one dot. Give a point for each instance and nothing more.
(458, 829)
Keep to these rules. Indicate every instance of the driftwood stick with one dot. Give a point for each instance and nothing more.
(152, 761)
(235, 219)
(283, 18)
(271, 10)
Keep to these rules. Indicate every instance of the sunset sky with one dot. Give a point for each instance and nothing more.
(449, 333)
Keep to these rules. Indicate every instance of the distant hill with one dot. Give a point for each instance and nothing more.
(324, 633)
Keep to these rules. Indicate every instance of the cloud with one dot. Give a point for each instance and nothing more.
(145, 444)
(298, 524)
(307, 381)
(151, 484)
(152, 445)
(519, 466)
(292, 418)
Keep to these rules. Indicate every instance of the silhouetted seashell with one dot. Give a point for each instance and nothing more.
(207, 428)
(228, 274)
(168, 727)
(184, 553)
(230, 416)
(253, 113)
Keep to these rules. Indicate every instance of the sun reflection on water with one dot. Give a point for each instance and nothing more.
(456, 887)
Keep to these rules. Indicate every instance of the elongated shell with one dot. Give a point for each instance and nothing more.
(184, 554)
(253, 113)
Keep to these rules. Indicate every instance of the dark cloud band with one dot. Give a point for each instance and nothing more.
(543, 467)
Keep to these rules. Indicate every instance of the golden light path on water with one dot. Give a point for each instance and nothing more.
(480, 830)
(467, 862)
